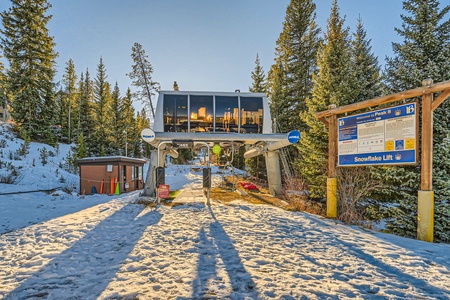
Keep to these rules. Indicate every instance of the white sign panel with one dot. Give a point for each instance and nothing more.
(148, 135)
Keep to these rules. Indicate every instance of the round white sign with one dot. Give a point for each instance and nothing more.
(148, 135)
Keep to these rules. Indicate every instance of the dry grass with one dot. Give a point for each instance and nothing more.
(262, 197)
(227, 196)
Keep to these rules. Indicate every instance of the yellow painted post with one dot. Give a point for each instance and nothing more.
(425, 207)
(425, 227)
(331, 198)
(331, 180)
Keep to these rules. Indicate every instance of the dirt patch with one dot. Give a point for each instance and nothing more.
(225, 196)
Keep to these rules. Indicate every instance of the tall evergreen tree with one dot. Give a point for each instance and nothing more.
(332, 85)
(70, 94)
(256, 165)
(116, 116)
(141, 77)
(128, 124)
(29, 49)
(3, 83)
(296, 56)
(423, 53)
(365, 67)
(85, 111)
(141, 149)
(356, 184)
(259, 78)
(277, 90)
(102, 111)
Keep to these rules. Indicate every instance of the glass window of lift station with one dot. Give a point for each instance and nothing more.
(175, 113)
(251, 114)
(201, 113)
(227, 113)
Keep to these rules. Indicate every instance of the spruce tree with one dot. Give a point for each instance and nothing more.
(70, 93)
(356, 183)
(259, 78)
(140, 148)
(256, 166)
(295, 56)
(423, 53)
(365, 67)
(3, 83)
(102, 112)
(128, 124)
(29, 49)
(85, 111)
(117, 131)
(332, 85)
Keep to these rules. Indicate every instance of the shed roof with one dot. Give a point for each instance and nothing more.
(103, 160)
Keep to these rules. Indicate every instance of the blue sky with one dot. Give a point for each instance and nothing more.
(202, 44)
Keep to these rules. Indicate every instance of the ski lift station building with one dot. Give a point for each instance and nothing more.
(229, 119)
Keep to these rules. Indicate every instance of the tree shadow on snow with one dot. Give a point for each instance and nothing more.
(213, 247)
(397, 288)
(84, 270)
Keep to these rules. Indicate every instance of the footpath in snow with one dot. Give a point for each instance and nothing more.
(122, 250)
(65, 246)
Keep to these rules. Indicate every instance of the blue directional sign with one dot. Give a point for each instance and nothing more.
(381, 137)
(294, 136)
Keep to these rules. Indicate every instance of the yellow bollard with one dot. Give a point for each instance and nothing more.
(425, 224)
(331, 198)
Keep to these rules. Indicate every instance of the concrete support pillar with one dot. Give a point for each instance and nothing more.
(273, 172)
(149, 188)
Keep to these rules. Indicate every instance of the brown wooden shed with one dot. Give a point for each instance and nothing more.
(110, 175)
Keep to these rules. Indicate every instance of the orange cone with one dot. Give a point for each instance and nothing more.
(111, 187)
(102, 185)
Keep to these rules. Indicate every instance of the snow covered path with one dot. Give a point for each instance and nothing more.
(121, 250)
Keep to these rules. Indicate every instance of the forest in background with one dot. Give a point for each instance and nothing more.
(313, 68)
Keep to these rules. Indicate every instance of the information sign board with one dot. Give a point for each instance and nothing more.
(381, 137)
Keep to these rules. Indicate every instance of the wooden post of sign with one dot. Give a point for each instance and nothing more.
(425, 226)
(331, 180)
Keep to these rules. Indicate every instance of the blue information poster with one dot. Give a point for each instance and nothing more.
(381, 137)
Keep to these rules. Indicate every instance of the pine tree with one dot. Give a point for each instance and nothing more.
(296, 57)
(277, 90)
(356, 183)
(256, 166)
(102, 112)
(332, 85)
(259, 78)
(141, 77)
(365, 67)
(85, 123)
(3, 83)
(29, 49)
(117, 131)
(128, 123)
(424, 53)
(140, 148)
(70, 93)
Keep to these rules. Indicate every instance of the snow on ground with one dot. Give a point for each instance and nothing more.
(108, 247)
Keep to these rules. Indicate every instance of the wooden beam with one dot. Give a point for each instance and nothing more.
(440, 99)
(324, 121)
(332, 141)
(427, 143)
(434, 88)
